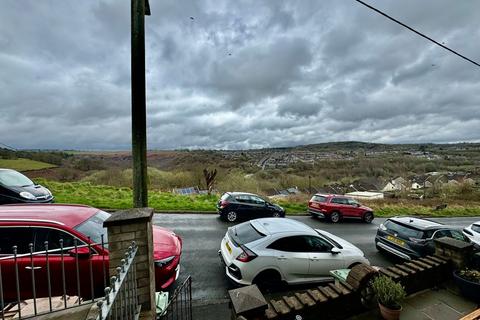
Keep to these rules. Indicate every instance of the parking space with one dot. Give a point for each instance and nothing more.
(202, 233)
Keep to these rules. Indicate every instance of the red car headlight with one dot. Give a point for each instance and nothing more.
(164, 262)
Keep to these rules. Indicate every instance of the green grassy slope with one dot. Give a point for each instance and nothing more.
(21, 164)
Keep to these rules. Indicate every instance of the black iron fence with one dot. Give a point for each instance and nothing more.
(179, 306)
(50, 280)
(121, 299)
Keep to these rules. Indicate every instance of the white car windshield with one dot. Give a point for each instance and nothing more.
(11, 178)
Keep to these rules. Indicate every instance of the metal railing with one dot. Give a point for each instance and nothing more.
(43, 276)
(179, 307)
(121, 299)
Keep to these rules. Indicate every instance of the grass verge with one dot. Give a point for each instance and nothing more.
(21, 164)
(109, 197)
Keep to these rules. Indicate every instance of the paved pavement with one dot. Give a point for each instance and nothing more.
(437, 304)
(202, 233)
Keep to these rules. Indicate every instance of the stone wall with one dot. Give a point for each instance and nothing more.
(341, 300)
(123, 228)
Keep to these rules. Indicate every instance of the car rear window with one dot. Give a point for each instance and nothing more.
(319, 198)
(339, 200)
(225, 196)
(403, 231)
(244, 233)
(476, 227)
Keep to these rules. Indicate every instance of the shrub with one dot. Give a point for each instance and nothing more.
(470, 275)
(388, 292)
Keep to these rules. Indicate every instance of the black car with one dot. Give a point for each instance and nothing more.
(234, 206)
(16, 188)
(411, 238)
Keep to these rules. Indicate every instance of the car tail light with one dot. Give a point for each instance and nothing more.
(223, 204)
(310, 203)
(247, 254)
(467, 232)
(382, 227)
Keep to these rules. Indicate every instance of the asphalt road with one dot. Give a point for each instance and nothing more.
(202, 233)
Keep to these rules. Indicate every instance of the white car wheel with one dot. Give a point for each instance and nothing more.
(232, 216)
(335, 217)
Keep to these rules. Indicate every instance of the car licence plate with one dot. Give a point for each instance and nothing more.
(396, 241)
(228, 247)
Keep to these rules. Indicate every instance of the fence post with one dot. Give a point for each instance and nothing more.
(134, 225)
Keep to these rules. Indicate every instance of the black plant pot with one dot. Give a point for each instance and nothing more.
(469, 289)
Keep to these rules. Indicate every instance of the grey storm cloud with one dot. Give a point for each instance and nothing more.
(240, 74)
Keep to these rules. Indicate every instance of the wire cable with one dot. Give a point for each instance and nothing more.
(418, 32)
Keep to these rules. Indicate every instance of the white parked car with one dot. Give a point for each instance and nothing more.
(267, 251)
(472, 232)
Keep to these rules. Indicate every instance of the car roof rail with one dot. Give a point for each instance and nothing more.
(31, 220)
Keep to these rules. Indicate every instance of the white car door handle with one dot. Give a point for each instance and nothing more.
(34, 268)
(282, 258)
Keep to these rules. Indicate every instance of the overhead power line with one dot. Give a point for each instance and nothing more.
(7, 146)
(418, 32)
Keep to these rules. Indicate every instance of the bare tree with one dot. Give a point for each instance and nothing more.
(209, 178)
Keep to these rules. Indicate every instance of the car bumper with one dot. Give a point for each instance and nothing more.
(165, 277)
(395, 249)
(14, 200)
(233, 273)
(317, 213)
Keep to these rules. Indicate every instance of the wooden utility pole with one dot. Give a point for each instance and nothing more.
(139, 9)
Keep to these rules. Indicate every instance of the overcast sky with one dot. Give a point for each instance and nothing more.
(240, 74)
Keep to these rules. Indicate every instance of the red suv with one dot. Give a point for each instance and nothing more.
(32, 225)
(334, 207)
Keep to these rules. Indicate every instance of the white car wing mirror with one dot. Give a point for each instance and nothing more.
(335, 250)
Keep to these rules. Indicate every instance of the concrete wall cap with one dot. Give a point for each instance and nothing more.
(128, 216)
(452, 243)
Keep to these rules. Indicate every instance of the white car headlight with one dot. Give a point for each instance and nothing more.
(48, 191)
(27, 195)
(164, 262)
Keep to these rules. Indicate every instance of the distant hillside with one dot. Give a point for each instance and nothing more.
(21, 164)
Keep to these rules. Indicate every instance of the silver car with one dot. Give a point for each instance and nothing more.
(472, 232)
(266, 251)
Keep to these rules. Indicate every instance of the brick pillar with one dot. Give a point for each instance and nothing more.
(459, 252)
(134, 225)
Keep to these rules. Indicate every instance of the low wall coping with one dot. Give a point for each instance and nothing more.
(451, 243)
(129, 216)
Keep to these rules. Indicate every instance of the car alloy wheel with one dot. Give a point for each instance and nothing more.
(335, 217)
(276, 214)
(368, 217)
(232, 216)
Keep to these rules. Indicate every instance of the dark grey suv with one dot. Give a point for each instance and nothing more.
(234, 206)
(411, 238)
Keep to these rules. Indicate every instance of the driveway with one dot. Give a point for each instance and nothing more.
(202, 233)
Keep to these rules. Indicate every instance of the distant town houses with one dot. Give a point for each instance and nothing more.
(375, 188)
(280, 158)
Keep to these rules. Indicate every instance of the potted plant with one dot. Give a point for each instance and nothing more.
(389, 295)
(468, 281)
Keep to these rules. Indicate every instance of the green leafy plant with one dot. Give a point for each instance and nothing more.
(470, 275)
(388, 292)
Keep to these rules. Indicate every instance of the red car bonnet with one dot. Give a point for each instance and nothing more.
(165, 243)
